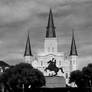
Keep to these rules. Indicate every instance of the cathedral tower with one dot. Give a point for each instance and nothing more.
(50, 44)
(73, 54)
(28, 54)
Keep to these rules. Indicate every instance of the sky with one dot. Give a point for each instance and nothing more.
(17, 17)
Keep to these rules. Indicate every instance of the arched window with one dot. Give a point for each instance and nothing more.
(48, 49)
(74, 62)
(66, 75)
(52, 49)
(59, 62)
(41, 63)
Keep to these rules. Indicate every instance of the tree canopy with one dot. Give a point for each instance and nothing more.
(82, 78)
(21, 76)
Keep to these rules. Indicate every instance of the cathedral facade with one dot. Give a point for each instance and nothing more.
(50, 61)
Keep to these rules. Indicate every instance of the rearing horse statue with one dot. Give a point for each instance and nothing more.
(52, 67)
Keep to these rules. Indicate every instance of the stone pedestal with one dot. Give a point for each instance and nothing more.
(55, 82)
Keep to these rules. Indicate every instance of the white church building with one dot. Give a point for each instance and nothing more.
(51, 56)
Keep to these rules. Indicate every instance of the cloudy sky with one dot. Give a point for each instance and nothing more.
(19, 16)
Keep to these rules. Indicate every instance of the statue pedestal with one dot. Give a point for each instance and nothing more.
(55, 81)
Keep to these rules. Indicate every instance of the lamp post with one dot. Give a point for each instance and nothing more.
(23, 87)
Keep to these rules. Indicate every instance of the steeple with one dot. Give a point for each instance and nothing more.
(28, 47)
(73, 50)
(50, 27)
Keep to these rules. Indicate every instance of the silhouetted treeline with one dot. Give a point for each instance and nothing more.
(82, 78)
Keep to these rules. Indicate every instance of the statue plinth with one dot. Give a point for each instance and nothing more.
(55, 81)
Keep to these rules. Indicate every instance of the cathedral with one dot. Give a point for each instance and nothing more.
(50, 61)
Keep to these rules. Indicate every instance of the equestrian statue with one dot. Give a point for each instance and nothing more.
(52, 67)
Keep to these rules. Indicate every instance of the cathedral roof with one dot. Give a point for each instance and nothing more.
(28, 47)
(73, 50)
(50, 27)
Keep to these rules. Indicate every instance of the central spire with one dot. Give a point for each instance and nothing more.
(50, 27)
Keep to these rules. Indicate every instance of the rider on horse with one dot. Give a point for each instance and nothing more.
(52, 66)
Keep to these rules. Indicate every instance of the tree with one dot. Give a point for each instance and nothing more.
(22, 76)
(82, 78)
(77, 78)
(87, 71)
